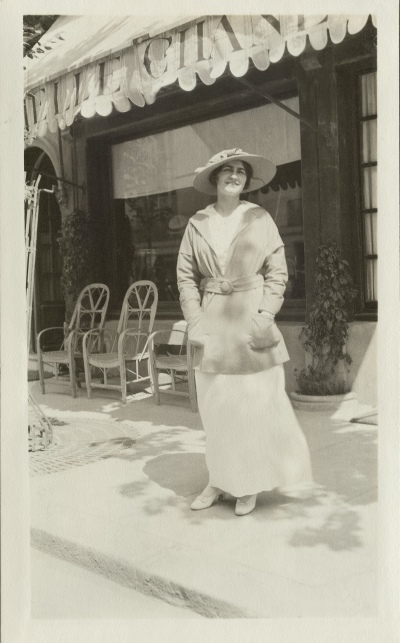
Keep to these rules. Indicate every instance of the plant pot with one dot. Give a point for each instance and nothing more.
(346, 404)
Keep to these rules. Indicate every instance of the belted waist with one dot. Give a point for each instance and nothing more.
(223, 286)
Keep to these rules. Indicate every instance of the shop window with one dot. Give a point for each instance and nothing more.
(282, 199)
(49, 260)
(368, 166)
(154, 197)
(154, 225)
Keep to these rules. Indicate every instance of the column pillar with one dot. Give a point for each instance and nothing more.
(319, 159)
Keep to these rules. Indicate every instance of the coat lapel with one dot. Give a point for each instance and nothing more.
(248, 217)
(201, 222)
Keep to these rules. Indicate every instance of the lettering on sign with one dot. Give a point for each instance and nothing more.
(203, 47)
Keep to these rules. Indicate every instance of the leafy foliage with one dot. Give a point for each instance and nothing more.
(325, 335)
(76, 248)
(33, 29)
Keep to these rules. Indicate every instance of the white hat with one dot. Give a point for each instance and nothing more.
(263, 170)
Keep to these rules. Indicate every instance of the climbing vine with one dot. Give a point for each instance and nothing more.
(76, 246)
(326, 332)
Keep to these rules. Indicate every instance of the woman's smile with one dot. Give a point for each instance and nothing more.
(232, 177)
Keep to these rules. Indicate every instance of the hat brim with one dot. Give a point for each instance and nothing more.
(264, 171)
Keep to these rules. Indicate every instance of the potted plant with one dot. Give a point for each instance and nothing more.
(323, 382)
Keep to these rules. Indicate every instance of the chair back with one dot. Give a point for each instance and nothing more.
(173, 341)
(179, 337)
(90, 311)
(139, 307)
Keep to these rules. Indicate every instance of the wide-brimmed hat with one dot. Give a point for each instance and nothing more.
(263, 170)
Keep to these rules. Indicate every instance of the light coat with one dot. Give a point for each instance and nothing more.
(229, 333)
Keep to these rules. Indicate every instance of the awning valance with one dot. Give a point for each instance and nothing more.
(101, 62)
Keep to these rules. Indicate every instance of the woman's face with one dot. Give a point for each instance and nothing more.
(231, 179)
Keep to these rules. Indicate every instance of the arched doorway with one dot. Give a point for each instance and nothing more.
(48, 303)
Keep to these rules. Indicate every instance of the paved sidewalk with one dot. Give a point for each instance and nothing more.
(112, 494)
(82, 594)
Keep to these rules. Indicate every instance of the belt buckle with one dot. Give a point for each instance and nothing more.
(226, 287)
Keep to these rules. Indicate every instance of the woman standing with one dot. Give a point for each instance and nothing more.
(231, 278)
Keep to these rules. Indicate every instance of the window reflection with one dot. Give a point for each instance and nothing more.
(282, 199)
(156, 224)
(151, 228)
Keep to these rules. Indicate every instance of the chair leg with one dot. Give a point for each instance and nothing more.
(156, 388)
(122, 370)
(77, 378)
(88, 378)
(72, 375)
(154, 380)
(193, 395)
(150, 375)
(41, 373)
(173, 382)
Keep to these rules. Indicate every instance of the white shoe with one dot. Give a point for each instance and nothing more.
(245, 505)
(206, 498)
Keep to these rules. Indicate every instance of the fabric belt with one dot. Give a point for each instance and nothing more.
(223, 286)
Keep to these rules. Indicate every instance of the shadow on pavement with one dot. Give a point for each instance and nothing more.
(345, 475)
(344, 461)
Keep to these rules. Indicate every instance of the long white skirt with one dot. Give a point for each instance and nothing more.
(253, 440)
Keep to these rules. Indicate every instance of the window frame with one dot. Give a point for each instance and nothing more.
(350, 158)
(369, 306)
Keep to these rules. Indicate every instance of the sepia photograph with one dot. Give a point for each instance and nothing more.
(202, 259)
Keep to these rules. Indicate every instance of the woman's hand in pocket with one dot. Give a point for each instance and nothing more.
(264, 332)
(196, 329)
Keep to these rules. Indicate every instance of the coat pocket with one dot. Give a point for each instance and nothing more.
(264, 332)
(196, 329)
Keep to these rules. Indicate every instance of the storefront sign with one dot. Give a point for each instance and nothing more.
(204, 47)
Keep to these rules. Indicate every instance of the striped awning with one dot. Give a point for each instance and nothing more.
(94, 64)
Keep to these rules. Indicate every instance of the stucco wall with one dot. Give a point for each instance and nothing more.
(363, 348)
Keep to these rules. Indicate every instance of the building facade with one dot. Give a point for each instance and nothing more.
(125, 112)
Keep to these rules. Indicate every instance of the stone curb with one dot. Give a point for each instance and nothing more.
(133, 577)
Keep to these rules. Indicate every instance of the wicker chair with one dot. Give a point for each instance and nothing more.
(171, 353)
(89, 312)
(123, 350)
